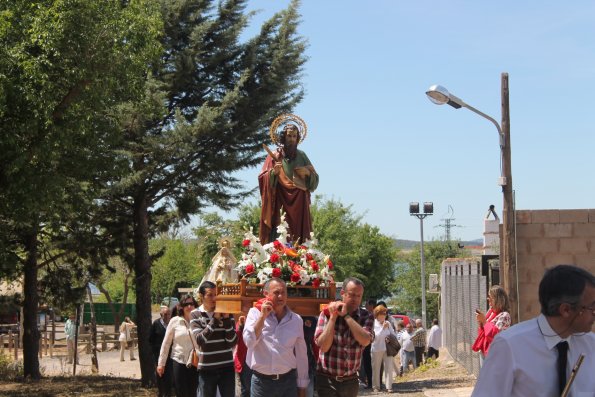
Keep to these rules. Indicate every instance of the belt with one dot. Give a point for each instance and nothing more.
(273, 377)
(338, 378)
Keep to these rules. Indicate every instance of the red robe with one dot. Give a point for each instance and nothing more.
(279, 192)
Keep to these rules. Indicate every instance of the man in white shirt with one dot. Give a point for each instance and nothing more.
(407, 348)
(434, 340)
(523, 360)
(277, 355)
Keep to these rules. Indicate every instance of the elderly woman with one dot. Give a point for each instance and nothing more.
(495, 320)
(382, 329)
(178, 337)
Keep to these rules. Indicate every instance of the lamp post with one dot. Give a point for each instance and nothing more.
(414, 211)
(440, 96)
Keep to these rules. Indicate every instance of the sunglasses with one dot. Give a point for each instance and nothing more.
(188, 304)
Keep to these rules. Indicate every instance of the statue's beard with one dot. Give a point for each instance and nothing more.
(290, 151)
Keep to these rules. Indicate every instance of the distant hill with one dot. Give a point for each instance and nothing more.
(409, 244)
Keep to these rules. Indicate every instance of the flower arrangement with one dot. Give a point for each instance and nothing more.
(296, 265)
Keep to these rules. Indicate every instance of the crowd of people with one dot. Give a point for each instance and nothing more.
(275, 352)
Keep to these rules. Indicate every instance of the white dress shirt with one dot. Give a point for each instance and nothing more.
(522, 362)
(280, 348)
(435, 337)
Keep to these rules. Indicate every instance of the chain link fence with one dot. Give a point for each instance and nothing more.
(463, 289)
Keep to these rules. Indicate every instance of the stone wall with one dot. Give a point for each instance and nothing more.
(546, 238)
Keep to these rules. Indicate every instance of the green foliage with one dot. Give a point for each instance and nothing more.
(407, 287)
(178, 267)
(357, 249)
(9, 369)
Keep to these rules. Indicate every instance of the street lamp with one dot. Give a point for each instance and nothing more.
(414, 211)
(440, 96)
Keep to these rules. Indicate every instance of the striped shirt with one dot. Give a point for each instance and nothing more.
(345, 355)
(215, 339)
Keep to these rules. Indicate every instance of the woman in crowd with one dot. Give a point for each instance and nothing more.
(382, 328)
(179, 338)
(125, 339)
(489, 324)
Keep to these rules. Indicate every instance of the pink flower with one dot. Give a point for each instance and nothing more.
(276, 272)
(274, 258)
(245, 243)
(250, 268)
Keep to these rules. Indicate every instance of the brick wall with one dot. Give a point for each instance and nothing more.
(546, 238)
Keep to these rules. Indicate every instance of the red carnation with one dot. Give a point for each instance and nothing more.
(309, 257)
(292, 265)
(274, 258)
(276, 272)
(277, 244)
(249, 268)
(314, 266)
(316, 283)
(330, 264)
(246, 243)
(295, 277)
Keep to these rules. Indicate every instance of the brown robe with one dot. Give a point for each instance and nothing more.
(282, 193)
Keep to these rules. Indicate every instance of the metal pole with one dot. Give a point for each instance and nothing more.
(423, 274)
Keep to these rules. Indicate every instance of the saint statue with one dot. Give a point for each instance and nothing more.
(286, 181)
(222, 265)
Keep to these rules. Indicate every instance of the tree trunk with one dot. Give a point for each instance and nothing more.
(94, 361)
(30, 306)
(142, 268)
(117, 315)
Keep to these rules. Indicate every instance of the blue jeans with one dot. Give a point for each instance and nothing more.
(284, 387)
(408, 356)
(245, 380)
(209, 380)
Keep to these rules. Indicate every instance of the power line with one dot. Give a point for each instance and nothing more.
(448, 223)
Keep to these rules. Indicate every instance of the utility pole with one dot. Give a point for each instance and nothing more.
(508, 247)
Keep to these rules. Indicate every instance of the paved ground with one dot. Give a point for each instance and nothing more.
(110, 364)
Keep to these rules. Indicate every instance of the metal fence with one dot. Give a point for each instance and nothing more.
(463, 290)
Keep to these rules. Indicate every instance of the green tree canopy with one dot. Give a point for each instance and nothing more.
(65, 66)
(407, 286)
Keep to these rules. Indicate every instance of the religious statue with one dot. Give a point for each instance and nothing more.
(286, 181)
(222, 265)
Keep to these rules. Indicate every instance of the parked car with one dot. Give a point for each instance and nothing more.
(401, 317)
(170, 301)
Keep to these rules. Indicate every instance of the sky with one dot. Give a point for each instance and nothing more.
(378, 143)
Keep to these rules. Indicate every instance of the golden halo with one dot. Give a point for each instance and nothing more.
(225, 241)
(285, 119)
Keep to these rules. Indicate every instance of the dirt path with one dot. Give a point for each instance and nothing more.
(119, 379)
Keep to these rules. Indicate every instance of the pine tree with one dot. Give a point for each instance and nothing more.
(205, 114)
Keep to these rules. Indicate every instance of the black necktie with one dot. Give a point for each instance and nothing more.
(562, 360)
